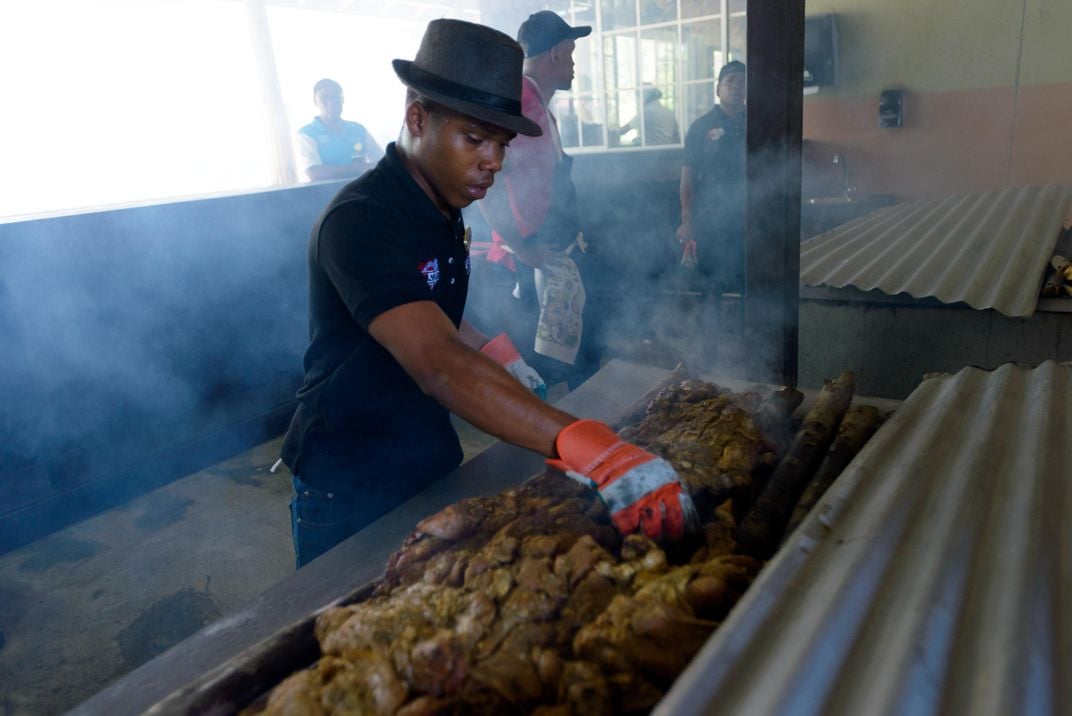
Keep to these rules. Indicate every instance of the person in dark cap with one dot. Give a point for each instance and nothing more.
(713, 186)
(534, 286)
(390, 355)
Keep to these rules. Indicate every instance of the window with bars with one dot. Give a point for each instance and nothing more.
(649, 66)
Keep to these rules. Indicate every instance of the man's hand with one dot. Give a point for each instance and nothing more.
(686, 237)
(501, 349)
(684, 232)
(642, 491)
(688, 255)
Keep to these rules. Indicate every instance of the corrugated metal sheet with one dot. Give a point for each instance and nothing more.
(987, 250)
(935, 577)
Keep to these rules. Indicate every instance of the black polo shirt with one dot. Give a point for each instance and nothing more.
(715, 148)
(380, 243)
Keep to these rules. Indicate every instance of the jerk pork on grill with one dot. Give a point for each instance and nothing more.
(530, 602)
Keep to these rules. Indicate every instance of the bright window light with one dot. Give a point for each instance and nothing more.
(117, 101)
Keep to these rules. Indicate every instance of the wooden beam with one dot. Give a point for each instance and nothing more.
(772, 254)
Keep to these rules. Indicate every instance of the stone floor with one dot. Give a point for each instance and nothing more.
(83, 606)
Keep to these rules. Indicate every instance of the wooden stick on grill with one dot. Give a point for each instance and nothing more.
(764, 524)
(856, 428)
(1051, 287)
(1062, 265)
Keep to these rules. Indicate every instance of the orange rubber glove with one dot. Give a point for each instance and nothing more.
(642, 491)
(502, 350)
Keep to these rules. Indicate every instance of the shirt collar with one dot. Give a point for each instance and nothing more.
(539, 90)
(412, 193)
(739, 118)
(323, 127)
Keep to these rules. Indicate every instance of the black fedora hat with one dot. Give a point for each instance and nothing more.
(471, 69)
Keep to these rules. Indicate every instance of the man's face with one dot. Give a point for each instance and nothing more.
(563, 58)
(329, 102)
(732, 89)
(459, 157)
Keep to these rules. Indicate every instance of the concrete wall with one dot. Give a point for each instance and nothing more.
(143, 343)
(988, 96)
(891, 344)
(988, 83)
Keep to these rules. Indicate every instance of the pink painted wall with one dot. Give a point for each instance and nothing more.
(962, 141)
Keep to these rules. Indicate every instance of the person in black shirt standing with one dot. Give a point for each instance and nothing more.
(390, 354)
(713, 185)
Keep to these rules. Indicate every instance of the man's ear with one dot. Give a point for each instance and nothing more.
(416, 119)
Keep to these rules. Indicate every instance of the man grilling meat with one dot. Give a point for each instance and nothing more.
(390, 355)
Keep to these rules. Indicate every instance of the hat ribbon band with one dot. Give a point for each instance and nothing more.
(468, 94)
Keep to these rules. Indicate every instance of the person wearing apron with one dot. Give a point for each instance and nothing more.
(533, 263)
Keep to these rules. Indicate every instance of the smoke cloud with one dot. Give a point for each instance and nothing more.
(136, 330)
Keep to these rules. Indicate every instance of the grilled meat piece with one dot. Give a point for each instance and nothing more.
(712, 437)
(557, 511)
(660, 628)
(362, 683)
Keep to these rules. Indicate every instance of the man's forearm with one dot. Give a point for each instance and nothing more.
(482, 393)
(685, 192)
(464, 381)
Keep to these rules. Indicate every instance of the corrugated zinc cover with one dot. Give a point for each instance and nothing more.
(935, 576)
(987, 250)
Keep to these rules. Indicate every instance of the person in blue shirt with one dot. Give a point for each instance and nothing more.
(331, 147)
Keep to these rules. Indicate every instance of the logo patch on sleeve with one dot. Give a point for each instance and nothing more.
(430, 270)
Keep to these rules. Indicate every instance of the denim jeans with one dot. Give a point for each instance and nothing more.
(339, 490)
(320, 520)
